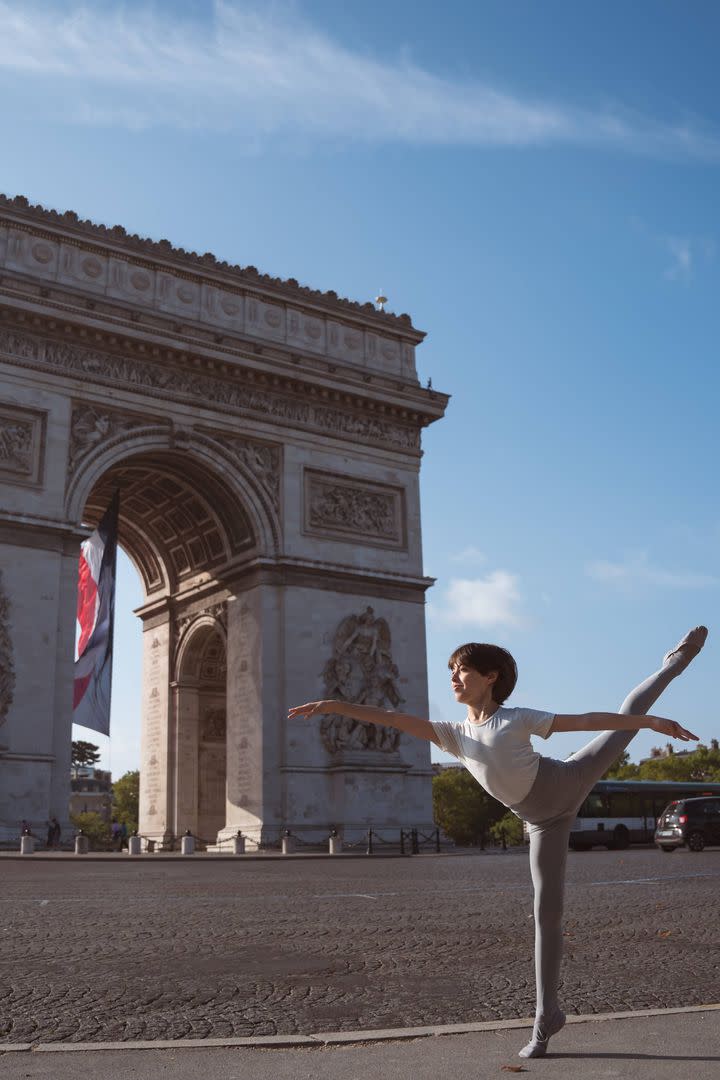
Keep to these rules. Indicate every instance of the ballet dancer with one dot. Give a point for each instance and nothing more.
(493, 743)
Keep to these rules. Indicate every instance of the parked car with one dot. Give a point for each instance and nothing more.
(695, 822)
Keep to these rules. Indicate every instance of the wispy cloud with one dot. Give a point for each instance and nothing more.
(685, 252)
(490, 602)
(637, 569)
(263, 70)
(469, 554)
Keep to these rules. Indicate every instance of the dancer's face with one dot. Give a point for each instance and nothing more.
(469, 686)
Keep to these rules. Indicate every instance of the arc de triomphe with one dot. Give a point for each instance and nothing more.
(265, 439)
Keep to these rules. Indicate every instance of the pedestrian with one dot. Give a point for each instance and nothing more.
(53, 834)
(123, 834)
(494, 745)
(116, 835)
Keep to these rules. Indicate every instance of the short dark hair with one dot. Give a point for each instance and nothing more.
(486, 658)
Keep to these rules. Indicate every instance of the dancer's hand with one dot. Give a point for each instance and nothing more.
(312, 708)
(671, 728)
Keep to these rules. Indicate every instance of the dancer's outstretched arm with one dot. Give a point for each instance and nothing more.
(413, 725)
(605, 721)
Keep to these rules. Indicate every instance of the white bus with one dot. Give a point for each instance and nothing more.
(618, 813)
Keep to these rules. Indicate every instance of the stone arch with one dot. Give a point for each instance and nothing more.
(191, 515)
(188, 506)
(200, 729)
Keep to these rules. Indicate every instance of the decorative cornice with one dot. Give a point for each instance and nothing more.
(132, 365)
(20, 209)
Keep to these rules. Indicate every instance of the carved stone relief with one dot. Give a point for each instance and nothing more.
(361, 670)
(261, 459)
(213, 725)
(92, 426)
(156, 378)
(7, 667)
(341, 508)
(22, 444)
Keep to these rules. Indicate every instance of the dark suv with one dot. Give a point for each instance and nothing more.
(695, 822)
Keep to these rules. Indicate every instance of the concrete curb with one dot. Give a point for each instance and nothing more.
(337, 1038)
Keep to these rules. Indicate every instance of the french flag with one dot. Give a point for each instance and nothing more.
(95, 618)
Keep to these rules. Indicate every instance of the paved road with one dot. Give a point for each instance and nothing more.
(153, 948)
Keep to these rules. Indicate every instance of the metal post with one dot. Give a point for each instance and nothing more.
(414, 841)
(402, 841)
(369, 842)
(334, 843)
(187, 844)
(437, 841)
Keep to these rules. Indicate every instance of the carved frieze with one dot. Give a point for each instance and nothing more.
(93, 426)
(343, 508)
(217, 611)
(213, 725)
(7, 667)
(261, 459)
(189, 385)
(361, 670)
(22, 444)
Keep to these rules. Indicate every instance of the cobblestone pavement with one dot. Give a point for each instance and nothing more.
(161, 949)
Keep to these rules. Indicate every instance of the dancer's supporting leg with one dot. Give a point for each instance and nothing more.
(549, 841)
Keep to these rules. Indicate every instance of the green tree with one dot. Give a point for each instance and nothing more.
(509, 828)
(126, 799)
(84, 753)
(462, 809)
(95, 828)
(622, 769)
(703, 764)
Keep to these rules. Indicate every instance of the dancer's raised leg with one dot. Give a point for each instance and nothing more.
(598, 755)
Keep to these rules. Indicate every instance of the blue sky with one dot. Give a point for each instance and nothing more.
(537, 184)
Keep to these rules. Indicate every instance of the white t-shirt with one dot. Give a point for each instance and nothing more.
(498, 752)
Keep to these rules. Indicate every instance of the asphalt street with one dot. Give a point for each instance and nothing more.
(201, 948)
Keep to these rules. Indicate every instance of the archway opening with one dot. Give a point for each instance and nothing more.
(184, 529)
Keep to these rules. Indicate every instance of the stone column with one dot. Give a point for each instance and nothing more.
(156, 781)
(39, 582)
(184, 757)
(255, 720)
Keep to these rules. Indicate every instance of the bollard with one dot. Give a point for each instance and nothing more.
(369, 850)
(335, 843)
(239, 844)
(82, 844)
(286, 842)
(27, 844)
(414, 848)
(437, 841)
(402, 841)
(187, 844)
(134, 844)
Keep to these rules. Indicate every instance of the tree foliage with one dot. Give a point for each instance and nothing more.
(462, 809)
(702, 765)
(84, 753)
(509, 828)
(95, 827)
(126, 799)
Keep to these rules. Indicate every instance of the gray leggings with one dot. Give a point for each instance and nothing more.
(550, 809)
